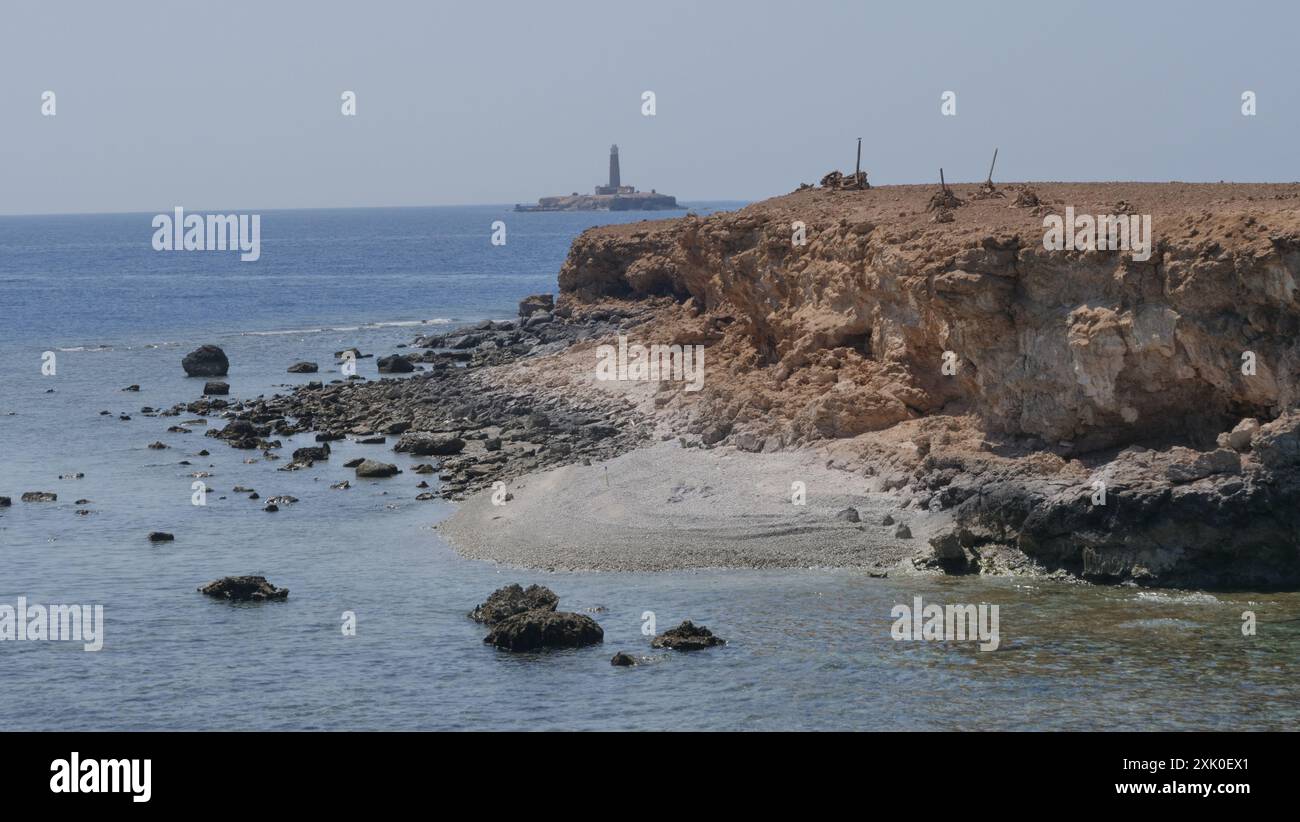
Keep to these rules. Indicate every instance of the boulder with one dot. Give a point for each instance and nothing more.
(537, 629)
(216, 388)
(536, 302)
(317, 453)
(424, 445)
(622, 660)
(1239, 437)
(40, 496)
(848, 515)
(394, 365)
(161, 536)
(506, 602)
(243, 589)
(375, 468)
(687, 637)
(304, 368)
(206, 361)
(5, 502)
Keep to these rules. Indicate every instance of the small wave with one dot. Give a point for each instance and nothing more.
(1157, 624)
(333, 329)
(1197, 598)
(86, 348)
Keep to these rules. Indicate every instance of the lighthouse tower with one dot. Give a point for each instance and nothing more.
(614, 181)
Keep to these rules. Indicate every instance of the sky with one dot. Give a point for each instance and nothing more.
(237, 105)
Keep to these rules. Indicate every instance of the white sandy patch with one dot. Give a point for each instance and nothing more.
(667, 507)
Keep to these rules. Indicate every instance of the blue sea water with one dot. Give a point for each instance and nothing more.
(807, 648)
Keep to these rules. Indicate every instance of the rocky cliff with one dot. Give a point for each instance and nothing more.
(1083, 411)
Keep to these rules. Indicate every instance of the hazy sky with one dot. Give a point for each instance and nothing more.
(236, 105)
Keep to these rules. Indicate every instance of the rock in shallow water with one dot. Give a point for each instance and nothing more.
(375, 468)
(243, 589)
(206, 361)
(40, 496)
(622, 660)
(687, 637)
(513, 599)
(394, 364)
(160, 536)
(533, 630)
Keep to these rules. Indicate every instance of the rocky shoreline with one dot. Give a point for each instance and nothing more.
(1097, 422)
(446, 417)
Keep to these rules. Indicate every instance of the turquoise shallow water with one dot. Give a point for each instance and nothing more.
(807, 649)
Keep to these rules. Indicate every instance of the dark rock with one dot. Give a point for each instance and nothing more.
(848, 515)
(902, 531)
(354, 462)
(394, 365)
(161, 536)
(216, 388)
(424, 445)
(533, 630)
(206, 361)
(317, 453)
(158, 446)
(622, 660)
(5, 502)
(40, 496)
(132, 388)
(687, 637)
(513, 599)
(243, 589)
(304, 368)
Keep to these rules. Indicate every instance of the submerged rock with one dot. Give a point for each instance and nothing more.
(687, 637)
(216, 389)
(622, 660)
(206, 361)
(161, 536)
(533, 630)
(40, 496)
(506, 602)
(243, 589)
(303, 368)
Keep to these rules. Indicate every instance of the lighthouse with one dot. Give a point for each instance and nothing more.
(614, 182)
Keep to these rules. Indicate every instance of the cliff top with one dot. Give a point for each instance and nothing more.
(904, 207)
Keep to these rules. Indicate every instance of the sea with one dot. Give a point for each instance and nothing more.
(374, 633)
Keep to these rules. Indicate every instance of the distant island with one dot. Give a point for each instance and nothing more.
(612, 197)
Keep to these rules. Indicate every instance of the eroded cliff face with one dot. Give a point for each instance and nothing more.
(1066, 356)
